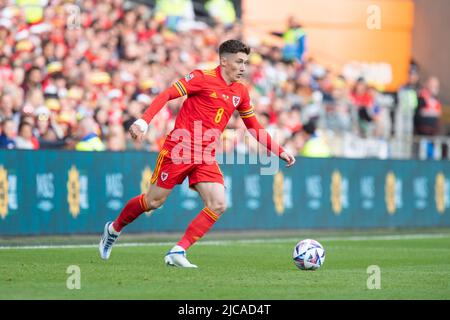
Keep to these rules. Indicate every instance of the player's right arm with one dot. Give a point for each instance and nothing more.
(139, 128)
(188, 85)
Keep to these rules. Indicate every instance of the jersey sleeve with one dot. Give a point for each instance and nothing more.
(245, 108)
(190, 84)
(158, 103)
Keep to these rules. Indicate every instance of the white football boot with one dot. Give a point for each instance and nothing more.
(106, 241)
(176, 257)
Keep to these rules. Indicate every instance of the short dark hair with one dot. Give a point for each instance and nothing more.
(233, 46)
(310, 127)
(24, 124)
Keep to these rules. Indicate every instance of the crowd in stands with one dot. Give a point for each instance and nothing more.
(76, 78)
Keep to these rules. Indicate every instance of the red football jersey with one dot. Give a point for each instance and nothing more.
(205, 113)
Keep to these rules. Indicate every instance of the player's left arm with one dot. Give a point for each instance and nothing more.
(248, 116)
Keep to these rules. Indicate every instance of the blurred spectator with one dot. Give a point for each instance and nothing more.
(222, 11)
(6, 107)
(25, 139)
(42, 122)
(34, 9)
(362, 98)
(314, 146)
(429, 110)
(175, 12)
(294, 39)
(340, 116)
(407, 104)
(294, 122)
(8, 134)
(51, 141)
(133, 113)
(101, 117)
(264, 119)
(382, 104)
(279, 131)
(314, 110)
(89, 140)
(110, 68)
(116, 140)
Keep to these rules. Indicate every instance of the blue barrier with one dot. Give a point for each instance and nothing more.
(67, 192)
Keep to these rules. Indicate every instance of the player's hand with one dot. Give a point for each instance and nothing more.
(290, 159)
(138, 129)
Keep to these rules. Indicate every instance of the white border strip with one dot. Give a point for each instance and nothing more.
(245, 241)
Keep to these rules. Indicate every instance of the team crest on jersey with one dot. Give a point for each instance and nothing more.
(189, 77)
(164, 176)
(236, 101)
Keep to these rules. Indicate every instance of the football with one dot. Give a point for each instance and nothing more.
(308, 254)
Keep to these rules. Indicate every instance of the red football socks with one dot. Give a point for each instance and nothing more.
(133, 209)
(198, 227)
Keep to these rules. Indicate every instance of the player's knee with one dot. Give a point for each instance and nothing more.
(218, 207)
(155, 203)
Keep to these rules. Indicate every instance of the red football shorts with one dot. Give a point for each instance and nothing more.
(168, 174)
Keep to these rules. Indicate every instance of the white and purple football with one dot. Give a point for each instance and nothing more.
(309, 254)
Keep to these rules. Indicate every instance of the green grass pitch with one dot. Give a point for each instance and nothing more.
(411, 268)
